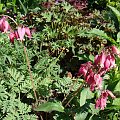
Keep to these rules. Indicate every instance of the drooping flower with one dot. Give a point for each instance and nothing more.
(110, 94)
(21, 32)
(93, 80)
(102, 100)
(115, 50)
(4, 25)
(84, 68)
(98, 81)
(100, 59)
(90, 80)
(12, 37)
(109, 62)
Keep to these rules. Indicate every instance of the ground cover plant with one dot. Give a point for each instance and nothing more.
(59, 60)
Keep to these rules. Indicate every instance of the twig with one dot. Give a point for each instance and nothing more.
(41, 117)
(71, 87)
(30, 73)
(74, 94)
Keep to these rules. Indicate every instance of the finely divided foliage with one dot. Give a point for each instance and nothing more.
(59, 60)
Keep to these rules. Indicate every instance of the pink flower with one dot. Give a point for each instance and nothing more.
(115, 50)
(109, 62)
(12, 37)
(102, 100)
(98, 81)
(100, 59)
(84, 68)
(21, 32)
(93, 80)
(111, 94)
(16, 34)
(4, 25)
(90, 80)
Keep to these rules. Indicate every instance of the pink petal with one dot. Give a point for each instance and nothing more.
(84, 68)
(107, 63)
(6, 26)
(115, 50)
(111, 94)
(16, 34)
(112, 61)
(100, 59)
(12, 36)
(21, 32)
(98, 80)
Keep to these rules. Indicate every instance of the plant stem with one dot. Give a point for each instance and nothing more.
(71, 87)
(74, 94)
(30, 73)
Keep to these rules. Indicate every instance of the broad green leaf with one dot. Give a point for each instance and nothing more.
(116, 12)
(118, 37)
(115, 117)
(83, 96)
(50, 106)
(1, 7)
(116, 101)
(117, 87)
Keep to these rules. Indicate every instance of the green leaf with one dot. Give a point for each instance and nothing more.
(25, 10)
(91, 57)
(101, 34)
(117, 87)
(1, 7)
(118, 37)
(83, 96)
(116, 12)
(116, 101)
(50, 106)
(81, 116)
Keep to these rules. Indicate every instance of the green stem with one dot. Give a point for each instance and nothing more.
(75, 93)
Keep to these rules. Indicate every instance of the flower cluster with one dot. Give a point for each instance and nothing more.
(18, 34)
(101, 101)
(93, 72)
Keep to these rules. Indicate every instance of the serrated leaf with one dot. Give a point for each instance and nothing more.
(81, 116)
(50, 106)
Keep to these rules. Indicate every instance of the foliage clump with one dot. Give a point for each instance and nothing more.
(44, 68)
